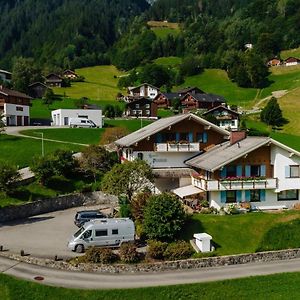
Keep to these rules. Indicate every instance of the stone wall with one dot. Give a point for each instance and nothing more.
(162, 266)
(11, 213)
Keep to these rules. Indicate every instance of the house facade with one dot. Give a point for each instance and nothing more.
(144, 90)
(227, 119)
(141, 108)
(5, 76)
(189, 90)
(291, 61)
(274, 62)
(15, 107)
(164, 100)
(54, 80)
(201, 101)
(193, 157)
(37, 90)
(70, 74)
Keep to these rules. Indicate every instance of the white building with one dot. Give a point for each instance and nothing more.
(61, 117)
(5, 75)
(144, 90)
(196, 158)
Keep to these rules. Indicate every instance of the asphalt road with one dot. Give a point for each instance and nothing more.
(43, 235)
(83, 280)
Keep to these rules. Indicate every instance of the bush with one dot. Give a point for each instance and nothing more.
(281, 236)
(178, 250)
(156, 249)
(128, 253)
(139, 230)
(100, 255)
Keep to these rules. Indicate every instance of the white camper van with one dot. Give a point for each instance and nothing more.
(82, 122)
(102, 232)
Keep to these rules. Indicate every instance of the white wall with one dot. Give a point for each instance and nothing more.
(225, 124)
(10, 110)
(59, 115)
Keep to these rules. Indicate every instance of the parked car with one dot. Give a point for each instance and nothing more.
(84, 216)
(102, 232)
(82, 122)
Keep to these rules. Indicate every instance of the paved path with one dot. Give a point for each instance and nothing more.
(107, 281)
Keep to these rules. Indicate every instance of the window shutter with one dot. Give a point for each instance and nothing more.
(247, 171)
(223, 172)
(205, 137)
(287, 172)
(262, 195)
(247, 195)
(190, 137)
(263, 170)
(158, 138)
(223, 196)
(238, 196)
(177, 136)
(239, 171)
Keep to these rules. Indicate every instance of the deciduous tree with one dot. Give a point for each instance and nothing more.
(8, 175)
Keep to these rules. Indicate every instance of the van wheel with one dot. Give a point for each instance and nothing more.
(79, 248)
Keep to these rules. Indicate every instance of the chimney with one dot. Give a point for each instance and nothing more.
(237, 136)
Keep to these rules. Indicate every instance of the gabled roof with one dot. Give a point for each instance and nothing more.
(7, 92)
(69, 71)
(189, 89)
(220, 107)
(136, 87)
(38, 83)
(161, 124)
(206, 97)
(53, 74)
(292, 57)
(168, 95)
(225, 153)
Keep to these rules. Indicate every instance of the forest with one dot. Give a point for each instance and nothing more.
(72, 34)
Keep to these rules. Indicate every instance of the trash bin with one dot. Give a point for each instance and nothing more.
(203, 241)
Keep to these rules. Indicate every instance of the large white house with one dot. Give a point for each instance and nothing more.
(191, 156)
(61, 117)
(144, 90)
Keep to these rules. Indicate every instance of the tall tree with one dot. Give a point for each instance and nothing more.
(272, 114)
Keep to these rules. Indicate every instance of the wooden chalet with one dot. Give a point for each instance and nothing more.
(201, 101)
(70, 74)
(54, 80)
(189, 90)
(274, 62)
(164, 100)
(291, 61)
(37, 90)
(141, 108)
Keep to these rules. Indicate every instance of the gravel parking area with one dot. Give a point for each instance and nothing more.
(43, 235)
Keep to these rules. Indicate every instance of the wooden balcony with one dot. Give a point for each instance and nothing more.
(235, 184)
(177, 147)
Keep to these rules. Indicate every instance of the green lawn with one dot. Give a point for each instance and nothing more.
(216, 81)
(74, 135)
(170, 61)
(100, 84)
(234, 234)
(21, 151)
(291, 52)
(163, 29)
(164, 113)
(279, 286)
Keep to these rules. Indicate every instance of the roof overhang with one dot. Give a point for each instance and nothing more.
(187, 191)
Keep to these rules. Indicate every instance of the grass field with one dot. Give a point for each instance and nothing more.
(21, 151)
(170, 61)
(162, 29)
(234, 234)
(279, 286)
(100, 84)
(292, 52)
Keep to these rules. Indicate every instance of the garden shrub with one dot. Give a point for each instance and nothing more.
(128, 253)
(178, 250)
(100, 255)
(156, 249)
(281, 236)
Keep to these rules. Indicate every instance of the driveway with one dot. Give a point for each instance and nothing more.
(43, 235)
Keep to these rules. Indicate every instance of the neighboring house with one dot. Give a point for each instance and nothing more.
(164, 100)
(189, 90)
(192, 157)
(37, 90)
(144, 90)
(70, 74)
(15, 107)
(5, 75)
(291, 61)
(61, 117)
(227, 119)
(141, 108)
(54, 80)
(274, 62)
(201, 101)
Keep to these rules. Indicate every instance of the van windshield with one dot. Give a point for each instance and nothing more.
(79, 232)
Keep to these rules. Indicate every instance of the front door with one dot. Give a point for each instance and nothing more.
(66, 120)
(19, 120)
(26, 121)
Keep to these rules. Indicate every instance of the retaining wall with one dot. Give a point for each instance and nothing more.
(11, 213)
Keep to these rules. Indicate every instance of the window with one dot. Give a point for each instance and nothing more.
(199, 137)
(148, 112)
(87, 234)
(83, 117)
(140, 156)
(183, 136)
(115, 231)
(255, 171)
(254, 195)
(83, 121)
(288, 195)
(147, 105)
(134, 112)
(231, 171)
(230, 196)
(19, 108)
(102, 232)
(294, 171)
(137, 106)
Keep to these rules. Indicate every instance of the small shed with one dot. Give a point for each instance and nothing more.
(203, 241)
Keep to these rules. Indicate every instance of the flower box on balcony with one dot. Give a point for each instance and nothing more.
(243, 179)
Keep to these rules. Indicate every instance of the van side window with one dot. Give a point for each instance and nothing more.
(87, 234)
(102, 232)
(115, 231)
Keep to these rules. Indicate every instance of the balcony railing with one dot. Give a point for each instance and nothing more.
(177, 147)
(235, 184)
